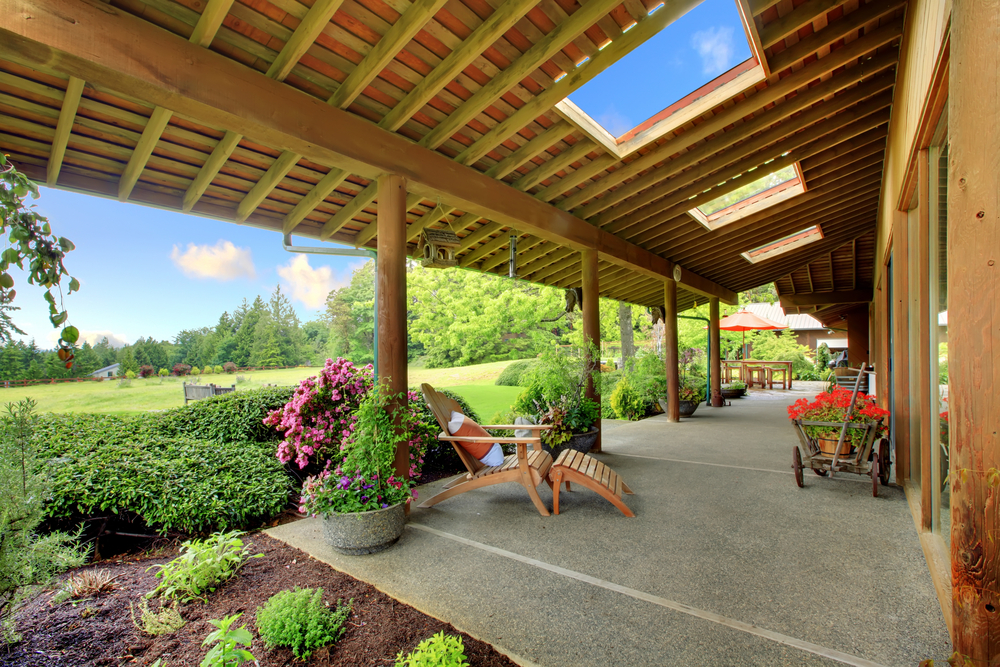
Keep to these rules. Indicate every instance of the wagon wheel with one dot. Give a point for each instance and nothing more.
(820, 472)
(797, 466)
(884, 462)
(875, 469)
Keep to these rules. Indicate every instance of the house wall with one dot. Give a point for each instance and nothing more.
(920, 96)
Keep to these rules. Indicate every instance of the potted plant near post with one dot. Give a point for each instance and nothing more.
(360, 499)
(691, 385)
(556, 395)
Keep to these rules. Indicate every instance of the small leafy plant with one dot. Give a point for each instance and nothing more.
(201, 567)
(627, 401)
(155, 623)
(441, 650)
(299, 619)
(225, 652)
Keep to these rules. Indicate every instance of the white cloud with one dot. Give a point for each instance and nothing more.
(92, 337)
(716, 48)
(308, 285)
(223, 261)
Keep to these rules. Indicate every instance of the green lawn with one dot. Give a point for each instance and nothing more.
(475, 383)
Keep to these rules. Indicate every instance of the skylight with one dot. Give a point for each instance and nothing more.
(758, 194)
(705, 43)
(784, 244)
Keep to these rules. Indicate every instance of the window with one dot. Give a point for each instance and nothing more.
(938, 295)
(702, 57)
(754, 196)
(784, 244)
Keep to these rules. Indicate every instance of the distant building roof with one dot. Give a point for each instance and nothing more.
(773, 312)
(112, 367)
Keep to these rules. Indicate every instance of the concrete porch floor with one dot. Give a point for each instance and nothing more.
(726, 563)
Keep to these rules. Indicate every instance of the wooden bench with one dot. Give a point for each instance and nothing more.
(574, 466)
(196, 392)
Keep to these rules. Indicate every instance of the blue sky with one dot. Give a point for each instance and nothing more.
(681, 58)
(147, 272)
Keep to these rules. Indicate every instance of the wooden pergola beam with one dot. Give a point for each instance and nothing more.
(309, 29)
(825, 298)
(564, 33)
(71, 101)
(577, 152)
(99, 45)
(210, 21)
(530, 149)
(499, 22)
(580, 75)
(803, 15)
(392, 42)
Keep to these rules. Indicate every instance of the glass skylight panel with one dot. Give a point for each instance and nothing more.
(749, 190)
(784, 244)
(703, 44)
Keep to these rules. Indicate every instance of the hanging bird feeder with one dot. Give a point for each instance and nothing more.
(437, 248)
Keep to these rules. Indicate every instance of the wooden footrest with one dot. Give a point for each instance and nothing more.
(573, 466)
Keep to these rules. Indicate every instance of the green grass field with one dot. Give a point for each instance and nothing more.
(474, 383)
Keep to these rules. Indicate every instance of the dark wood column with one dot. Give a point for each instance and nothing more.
(670, 349)
(857, 336)
(715, 358)
(592, 322)
(974, 327)
(392, 295)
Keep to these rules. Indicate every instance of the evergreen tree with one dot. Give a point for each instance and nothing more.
(277, 336)
(249, 316)
(106, 354)
(11, 365)
(127, 360)
(87, 360)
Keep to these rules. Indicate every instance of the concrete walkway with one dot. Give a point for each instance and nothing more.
(726, 563)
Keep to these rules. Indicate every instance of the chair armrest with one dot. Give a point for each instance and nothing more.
(511, 427)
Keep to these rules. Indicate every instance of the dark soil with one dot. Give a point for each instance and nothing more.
(100, 631)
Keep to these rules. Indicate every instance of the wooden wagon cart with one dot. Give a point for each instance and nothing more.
(827, 456)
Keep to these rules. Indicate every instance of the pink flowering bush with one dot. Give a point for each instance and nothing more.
(321, 413)
(364, 479)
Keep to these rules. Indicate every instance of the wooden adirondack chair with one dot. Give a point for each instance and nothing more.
(526, 468)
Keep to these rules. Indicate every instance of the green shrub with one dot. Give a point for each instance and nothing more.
(202, 566)
(217, 370)
(234, 417)
(514, 374)
(171, 483)
(441, 650)
(26, 558)
(130, 375)
(299, 620)
(163, 372)
(627, 402)
(195, 370)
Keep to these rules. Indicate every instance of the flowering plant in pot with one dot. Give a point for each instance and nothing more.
(820, 417)
(358, 493)
(555, 395)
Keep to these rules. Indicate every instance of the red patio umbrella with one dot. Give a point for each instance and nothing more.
(745, 321)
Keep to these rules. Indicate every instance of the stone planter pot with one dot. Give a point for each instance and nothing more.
(360, 533)
(687, 408)
(581, 442)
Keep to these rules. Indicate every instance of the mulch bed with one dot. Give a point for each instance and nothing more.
(100, 631)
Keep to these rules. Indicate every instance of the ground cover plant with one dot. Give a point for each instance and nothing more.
(299, 620)
(376, 631)
(441, 650)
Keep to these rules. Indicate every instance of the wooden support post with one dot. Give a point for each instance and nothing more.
(592, 325)
(921, 380)
(857, 336)
(391, 276)
(900, 343)
(670, 350)
(715, 358)
(973, 323)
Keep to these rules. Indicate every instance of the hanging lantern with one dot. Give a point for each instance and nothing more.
(437, 248)
(512, 266)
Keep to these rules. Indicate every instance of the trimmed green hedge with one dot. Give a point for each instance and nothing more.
(515, 374)
(209, 465)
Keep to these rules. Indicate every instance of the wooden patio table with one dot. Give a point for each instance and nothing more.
(743, 363)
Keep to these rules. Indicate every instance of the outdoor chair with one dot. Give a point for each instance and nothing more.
(757, 375)
(526, 468)
(778, 375)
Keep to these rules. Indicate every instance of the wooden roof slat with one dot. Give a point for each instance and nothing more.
(74, 90)
(801, 16)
